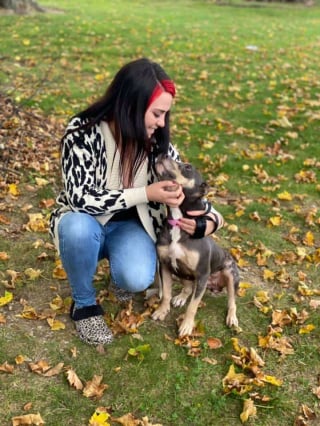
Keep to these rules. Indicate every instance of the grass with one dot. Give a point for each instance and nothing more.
(228, 119)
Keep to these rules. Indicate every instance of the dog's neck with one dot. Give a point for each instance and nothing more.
(176, 213)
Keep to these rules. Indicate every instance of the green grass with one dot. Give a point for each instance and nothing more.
(225, 120)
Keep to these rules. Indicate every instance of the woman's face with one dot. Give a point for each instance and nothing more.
(156, 113)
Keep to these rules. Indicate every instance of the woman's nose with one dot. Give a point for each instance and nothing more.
(161, 122)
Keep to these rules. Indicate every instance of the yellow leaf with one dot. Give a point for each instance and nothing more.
(309, 239)
(57, 303)
(37, 223)
(13, 189)
(59, 272)
(100, 417)
(268, 275)
(99, 77)
(292, 135)
(233, 228)
(203, 75)
(33, 274)
(307, 329)
(249, 410)
(275, 221)
(4, 300)
(243, 284)
(285, 196)
(262, 296)
(19, 359)
(55, 324)
(41, 182)
(272, 380)
(284, 122)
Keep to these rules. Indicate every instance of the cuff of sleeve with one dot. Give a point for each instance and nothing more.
(135, 196)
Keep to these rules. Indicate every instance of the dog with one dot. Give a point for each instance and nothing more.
(189, 259)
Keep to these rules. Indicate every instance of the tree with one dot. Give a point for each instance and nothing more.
(21, 6)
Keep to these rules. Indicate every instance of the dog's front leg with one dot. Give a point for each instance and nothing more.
(182, 297)
(231, 319)
(164, 308)
(188, 322)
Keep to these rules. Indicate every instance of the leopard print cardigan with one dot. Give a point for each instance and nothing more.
(90, 174)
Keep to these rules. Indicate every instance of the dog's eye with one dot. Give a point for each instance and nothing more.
(188, 166)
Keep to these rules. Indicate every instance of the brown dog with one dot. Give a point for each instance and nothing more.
(191, 260)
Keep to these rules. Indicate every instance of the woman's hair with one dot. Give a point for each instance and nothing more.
(124, 104)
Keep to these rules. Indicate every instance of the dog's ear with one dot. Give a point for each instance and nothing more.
(204, 187)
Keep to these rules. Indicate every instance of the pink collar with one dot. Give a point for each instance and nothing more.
(173, 222)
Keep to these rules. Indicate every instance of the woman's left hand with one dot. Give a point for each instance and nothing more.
(189, 225)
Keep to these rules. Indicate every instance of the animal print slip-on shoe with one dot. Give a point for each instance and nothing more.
(90, 325)
(121, 295)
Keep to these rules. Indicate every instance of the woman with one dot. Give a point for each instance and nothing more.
(112, 205)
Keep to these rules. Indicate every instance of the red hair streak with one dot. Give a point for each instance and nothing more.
(162, 86)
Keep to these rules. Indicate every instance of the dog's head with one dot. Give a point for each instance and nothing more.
(186, 175)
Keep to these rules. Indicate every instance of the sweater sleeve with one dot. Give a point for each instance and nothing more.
(84, 175)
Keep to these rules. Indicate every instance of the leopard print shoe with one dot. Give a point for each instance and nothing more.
(90, 325)
(122, 296)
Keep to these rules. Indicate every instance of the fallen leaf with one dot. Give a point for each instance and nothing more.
(7, 298)
(19, 359)
(32, 274)
(28, 419)
(211, 361)
(94, 388)
(307, 329)
(100, 417)
(249, 410)
(214, 343)
(6, 368)
(55, 324)
(74, 380)
(4, 255)
(54, 371)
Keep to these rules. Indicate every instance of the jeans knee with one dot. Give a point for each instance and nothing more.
(134, 281)
(77, 230)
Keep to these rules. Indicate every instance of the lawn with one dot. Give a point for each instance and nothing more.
(247, 114)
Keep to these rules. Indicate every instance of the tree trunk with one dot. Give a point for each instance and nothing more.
(21, 6)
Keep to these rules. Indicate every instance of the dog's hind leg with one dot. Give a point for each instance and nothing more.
(182, 297)
(164, 308)
(188, 322)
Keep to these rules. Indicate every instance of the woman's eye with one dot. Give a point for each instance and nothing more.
(156, 114)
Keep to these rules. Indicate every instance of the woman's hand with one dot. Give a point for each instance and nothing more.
(189, 225)
(166, 192)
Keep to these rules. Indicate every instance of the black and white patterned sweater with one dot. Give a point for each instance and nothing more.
(90, 174)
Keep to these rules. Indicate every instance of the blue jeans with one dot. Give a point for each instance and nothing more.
(83, 241)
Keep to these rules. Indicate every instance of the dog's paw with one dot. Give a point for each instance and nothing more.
(186, 328)
(160, 313)
(179, 300)
(232, 320)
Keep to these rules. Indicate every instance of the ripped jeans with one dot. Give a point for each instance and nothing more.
(83, 241)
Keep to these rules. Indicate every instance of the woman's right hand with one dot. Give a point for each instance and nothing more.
(166, 192)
